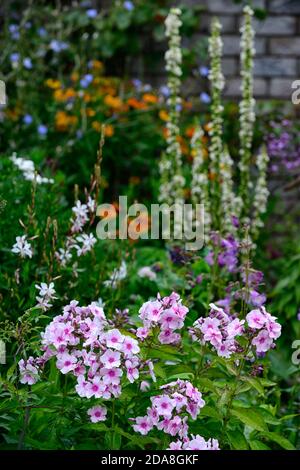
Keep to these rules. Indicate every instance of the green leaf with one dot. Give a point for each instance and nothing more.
(250, 418)
(280, 440)
(237, 440)
(255, 383)
(258, 445)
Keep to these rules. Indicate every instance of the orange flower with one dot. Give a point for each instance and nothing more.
(75, 76)
(109, 130)
(113, 102)
(90, 112)
(64, 95)
(97, 64)
(189, 132)
(163, 115)
(87, 98)
(97, 126)
(149, 98)
(136, 104)
(53, 84)
(63, 121)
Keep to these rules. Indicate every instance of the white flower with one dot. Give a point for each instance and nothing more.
(91, 204)
(46, 290)
(147, 272)
(28, 169)
(172, 181)
(22, 247)
(117, 275)
(88, 241)
(46, 294)
(81, 216)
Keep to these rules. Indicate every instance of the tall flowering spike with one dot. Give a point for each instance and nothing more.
(199, 186)
(261, 192)
(230, 203)
(247, 110)
(172, 181)
(216, 145)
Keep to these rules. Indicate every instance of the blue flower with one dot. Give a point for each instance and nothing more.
(86, 80)
(42, 32)
(27, 119)
(14, 31)
(128, 5)
(205, 98)
(27, 63)
(42, 129)
(164, 90)
(58, 46)
(204, 71)
(137, 83)
(92, 13)
(14, 57)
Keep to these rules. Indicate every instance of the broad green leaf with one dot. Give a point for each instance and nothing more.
(280, 440)
(258, 445)
(237, 440)
(250, 417)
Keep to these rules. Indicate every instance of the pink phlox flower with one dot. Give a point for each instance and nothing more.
(111, 376)
(256, 319)
(111, 359)
(66, 362)
(97, 413)
(130, 346)
(143, 425)
(164, 405)
(262, 341)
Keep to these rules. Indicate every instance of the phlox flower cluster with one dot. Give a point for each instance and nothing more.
(169, 412)
(195, 443)
(221, 330)
(166, 314)
(84, 346)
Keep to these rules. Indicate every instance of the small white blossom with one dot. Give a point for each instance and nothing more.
(117, 275)
(22, 247)
(147, 272)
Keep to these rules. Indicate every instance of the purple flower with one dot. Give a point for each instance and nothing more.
(86, 80)
(42, 32)
(137, 83)
(14, 31)
(42, 129)
(165, 91)
(27, 119)
(14, 57)
(128, 5)
(92, 13)
(205, 98)
(204, 71)
(27, 63)
(58, 46)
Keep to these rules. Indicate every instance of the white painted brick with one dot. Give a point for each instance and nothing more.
(275, 26)
(275, 67)
(285, 46)
(281, 88)
(228, 6)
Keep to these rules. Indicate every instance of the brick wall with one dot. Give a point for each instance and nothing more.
(277, 62)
